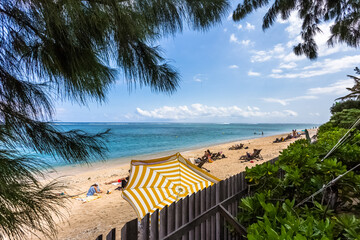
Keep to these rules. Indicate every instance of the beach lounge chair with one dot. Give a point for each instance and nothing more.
(201, 164)
(255, 155)
(236, 146)
(216, 156)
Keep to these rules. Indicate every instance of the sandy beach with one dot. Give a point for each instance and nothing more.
(88, 220)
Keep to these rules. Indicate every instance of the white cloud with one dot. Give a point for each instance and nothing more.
(277, 71)
(251, 73)
(327, 66)
(249, 26)
(286, 101)
(234, 39)
(314, 114)
(199, 77)
(202, 111)
(233, 66)
(245, 42)
(289, 65)
(290, 113)
(291, 57)
(275, 100)
(239, 26)
(262, 56)
(294, 27)
(293, 42)
(337, 88)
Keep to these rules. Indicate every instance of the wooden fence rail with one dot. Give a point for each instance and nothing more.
(206, 214)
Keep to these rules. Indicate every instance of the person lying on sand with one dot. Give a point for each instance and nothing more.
(122, 182)
(93, 190)
(115, 182)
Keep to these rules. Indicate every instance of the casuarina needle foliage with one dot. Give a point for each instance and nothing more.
(343, 16)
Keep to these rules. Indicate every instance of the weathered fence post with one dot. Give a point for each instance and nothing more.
(192, 214)
(185, 215)
(171, 218)
(163, 222)
(219, 219)
(145, 231)
(154, 227)
(111, 235)
(197, 213)
(130, 230)
(213, 218)
(202, 209)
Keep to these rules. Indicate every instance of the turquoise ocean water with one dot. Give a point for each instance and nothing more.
(133, 139)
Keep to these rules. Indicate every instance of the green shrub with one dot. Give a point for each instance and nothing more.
(346, 118)
(270, 212)
(339, 106)
(281, 222)
(327, 127)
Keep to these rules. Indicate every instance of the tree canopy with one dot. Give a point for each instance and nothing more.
(339, 106)
(71, 49)
(344, 16)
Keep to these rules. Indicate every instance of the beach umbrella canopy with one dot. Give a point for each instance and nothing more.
(155, 183)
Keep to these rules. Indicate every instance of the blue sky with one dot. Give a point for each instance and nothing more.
(236, 73)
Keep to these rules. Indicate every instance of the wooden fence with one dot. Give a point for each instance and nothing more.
(207, 214)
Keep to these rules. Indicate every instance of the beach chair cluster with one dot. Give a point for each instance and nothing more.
(294, 134)
(209, 157)
(254, 156)
(237, 146)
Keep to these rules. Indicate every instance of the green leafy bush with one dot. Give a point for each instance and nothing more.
(348, 104)
(281, 222)
(270, 212)
(346, 118)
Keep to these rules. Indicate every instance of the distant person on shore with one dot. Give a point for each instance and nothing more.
(93, 190)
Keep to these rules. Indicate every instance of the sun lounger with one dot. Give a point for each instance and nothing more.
(201, 164)
(237, 146)
(255, 155)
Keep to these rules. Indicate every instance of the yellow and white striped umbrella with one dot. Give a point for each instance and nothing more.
(155, 183)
